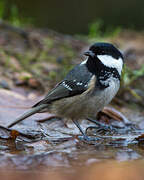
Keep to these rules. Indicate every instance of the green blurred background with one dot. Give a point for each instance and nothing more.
(75, 16)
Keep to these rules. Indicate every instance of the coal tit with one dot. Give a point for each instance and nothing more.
(86, 89)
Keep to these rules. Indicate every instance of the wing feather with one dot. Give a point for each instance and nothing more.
(76, 82)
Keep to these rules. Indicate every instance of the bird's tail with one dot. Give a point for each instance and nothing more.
(28, 113)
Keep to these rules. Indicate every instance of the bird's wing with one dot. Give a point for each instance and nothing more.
(76, 82)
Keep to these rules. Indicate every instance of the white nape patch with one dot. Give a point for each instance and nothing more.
(84, 62)
(111, 62)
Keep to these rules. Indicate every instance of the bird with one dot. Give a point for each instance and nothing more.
(86, 89)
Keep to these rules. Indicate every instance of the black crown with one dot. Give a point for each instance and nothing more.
(106, 49)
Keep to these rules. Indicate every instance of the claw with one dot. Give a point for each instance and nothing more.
(88, 139)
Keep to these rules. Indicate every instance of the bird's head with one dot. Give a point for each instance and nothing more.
(107, 53)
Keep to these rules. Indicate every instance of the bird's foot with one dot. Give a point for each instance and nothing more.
(106, 129)
(88, 138)
(101, 126)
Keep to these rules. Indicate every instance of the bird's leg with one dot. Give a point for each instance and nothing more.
(101, 125)
(78, 126)
(111, 113)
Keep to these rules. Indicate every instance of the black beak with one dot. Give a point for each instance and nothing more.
(89, 53)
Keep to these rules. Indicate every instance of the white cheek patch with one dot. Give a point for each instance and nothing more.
(111, 62)
(84, 62)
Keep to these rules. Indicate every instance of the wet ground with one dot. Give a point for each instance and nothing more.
(50, 149)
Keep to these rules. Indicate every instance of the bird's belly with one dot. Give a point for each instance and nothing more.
(83, 106)
(104, 97)
(72, 108)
